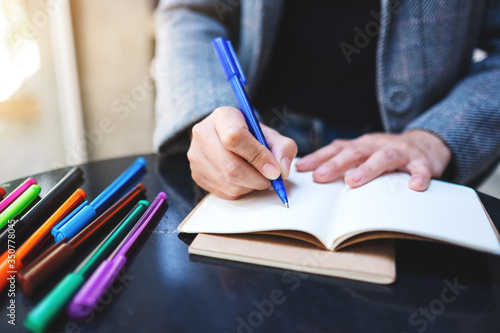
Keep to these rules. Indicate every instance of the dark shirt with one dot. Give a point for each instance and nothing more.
(314, 69)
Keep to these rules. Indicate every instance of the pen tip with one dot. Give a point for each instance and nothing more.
(286, 205)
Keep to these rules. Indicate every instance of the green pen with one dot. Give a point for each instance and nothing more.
(40, 318)
(19, 205)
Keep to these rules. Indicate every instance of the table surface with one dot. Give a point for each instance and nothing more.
(439, 288)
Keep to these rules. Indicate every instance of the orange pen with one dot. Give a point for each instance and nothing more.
(9, 264)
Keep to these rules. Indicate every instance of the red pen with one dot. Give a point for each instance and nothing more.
(2, 193)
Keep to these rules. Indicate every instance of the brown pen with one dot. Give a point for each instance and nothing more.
(35, 274)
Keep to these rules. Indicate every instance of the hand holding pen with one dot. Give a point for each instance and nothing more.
(227, 160)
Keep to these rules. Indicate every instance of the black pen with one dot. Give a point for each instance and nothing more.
(32, 219)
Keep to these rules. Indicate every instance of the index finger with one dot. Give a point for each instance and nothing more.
(235, 136)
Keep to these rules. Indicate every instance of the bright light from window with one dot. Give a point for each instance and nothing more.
(18, 60)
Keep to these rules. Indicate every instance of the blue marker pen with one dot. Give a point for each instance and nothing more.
(86, 212)
(234, 74)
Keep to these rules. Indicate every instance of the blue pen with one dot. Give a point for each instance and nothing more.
(234, 74)
(86, 212)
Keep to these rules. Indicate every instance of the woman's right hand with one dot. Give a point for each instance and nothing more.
(226, 159)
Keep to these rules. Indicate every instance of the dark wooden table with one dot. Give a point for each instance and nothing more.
(439, 288)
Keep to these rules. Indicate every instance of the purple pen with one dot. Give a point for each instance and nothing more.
(16, 193)
(87, 298)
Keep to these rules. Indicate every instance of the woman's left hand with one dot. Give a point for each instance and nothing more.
(420, 153)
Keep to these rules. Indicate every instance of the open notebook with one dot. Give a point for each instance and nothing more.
(333, 216)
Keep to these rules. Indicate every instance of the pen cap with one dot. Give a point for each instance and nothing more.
(73, 226)
(54, 198)
(114, 213)
(58, 226)
(19, 205)
(40, 318)
(88, 296)
(2, 193)
(112, 240)
(16, 193)
(33, 276)
(40, 237)
(151, 213)
(36, 240)
(228, 60)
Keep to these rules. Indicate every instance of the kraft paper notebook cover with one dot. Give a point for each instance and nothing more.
(332, 216)
(371, 261)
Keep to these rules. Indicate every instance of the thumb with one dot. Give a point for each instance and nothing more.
(235, 136)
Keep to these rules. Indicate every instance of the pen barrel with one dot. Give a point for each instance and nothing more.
(4, 236)
(34, 275)
(9, 263)
(16, 193)
(54, 198)
(120, 184)
(151, 213)
(40, 318)
(234, 74)
(247, 110)
(115, 212)
(106, 247)
(36, 241)
(89, 295)
(19, 205)
(6, 269)
(74, 225)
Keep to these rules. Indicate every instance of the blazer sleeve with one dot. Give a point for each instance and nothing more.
(468, 118)
(189, 81)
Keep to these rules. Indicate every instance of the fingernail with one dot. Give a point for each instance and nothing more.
(356, 175)
(270, 171)
(418, 183)
(303, 162)
(322, 171)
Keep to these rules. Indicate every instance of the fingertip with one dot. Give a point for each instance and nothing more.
(350, 183)
(355, 177)
(270, 171)
(304, 164)
(418, 184)
(322, 174)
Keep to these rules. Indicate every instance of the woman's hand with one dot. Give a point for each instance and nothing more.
(418, 152)
(226, 159)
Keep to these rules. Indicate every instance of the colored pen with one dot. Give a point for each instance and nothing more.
(52, 261)
(87, 298)
(2, 193)
(23, 226)
(16, 193)
(71, 225)
(12, 261)
(19, 204)
(234, 74)
(40, 318)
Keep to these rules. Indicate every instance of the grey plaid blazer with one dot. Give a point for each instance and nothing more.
(426, 78)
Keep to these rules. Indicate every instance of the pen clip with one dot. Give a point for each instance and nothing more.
(242, 77)
(228, 60)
